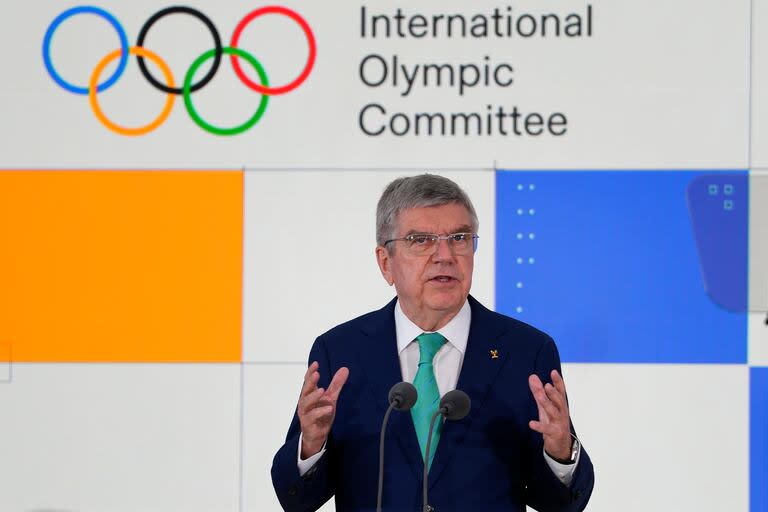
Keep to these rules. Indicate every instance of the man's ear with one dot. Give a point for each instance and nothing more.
(383, 259)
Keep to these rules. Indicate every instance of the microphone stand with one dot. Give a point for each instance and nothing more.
(381, 455)
(454, 406)
(425, 482)
(402, 396)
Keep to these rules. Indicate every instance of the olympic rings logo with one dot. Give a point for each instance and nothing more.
(188, 86)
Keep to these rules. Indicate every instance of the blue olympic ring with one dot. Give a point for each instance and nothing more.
(86, 9)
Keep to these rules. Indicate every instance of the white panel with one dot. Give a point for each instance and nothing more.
(309, 254)
(658, 84)
(671, 430)
(757, 333)
(5, 363)
(758, 240)
(266, 420)
(759, 87)
(664, 437)
(120, 438)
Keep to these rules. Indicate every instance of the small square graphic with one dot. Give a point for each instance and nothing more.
(713, 189)
(728, 205)
(728, 189)
(5, 363)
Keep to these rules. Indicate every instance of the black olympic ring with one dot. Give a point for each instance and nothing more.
(216, 39)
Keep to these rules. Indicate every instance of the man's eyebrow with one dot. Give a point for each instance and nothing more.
(461, 229)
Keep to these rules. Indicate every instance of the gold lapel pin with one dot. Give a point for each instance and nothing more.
(494, 354)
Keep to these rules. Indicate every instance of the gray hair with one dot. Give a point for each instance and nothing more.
(417, 192)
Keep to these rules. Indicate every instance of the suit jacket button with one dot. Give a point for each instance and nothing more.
(293, 491)
(577, 494)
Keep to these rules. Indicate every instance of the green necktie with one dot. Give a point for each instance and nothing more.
(429, 395)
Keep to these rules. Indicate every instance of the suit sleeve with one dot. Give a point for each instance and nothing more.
(306, 493)
(544, 492)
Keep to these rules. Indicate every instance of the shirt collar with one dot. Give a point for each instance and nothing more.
(456, 331)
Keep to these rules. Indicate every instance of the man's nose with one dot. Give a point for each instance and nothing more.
(443, 251)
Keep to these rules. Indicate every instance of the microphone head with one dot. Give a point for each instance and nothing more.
(403, 396)
(455, 405)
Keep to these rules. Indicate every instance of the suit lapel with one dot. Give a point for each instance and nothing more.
(381, 364)
(478, 372)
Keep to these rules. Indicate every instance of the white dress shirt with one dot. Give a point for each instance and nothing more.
(447, 367)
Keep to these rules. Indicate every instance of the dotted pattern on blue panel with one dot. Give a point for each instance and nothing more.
(609, 263)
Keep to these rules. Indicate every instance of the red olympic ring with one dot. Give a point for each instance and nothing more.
(271, 91)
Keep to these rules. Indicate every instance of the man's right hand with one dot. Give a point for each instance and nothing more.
(317, 408)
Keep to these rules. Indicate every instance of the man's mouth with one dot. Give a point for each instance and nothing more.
(443, 279)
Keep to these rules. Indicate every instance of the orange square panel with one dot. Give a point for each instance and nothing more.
(121, 266)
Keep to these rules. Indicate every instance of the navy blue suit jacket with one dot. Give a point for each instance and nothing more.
(489, 461)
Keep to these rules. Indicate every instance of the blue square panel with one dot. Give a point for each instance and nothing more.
(626, 266)
(758, 457)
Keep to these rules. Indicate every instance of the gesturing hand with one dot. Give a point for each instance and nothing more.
(317, 408)
(554, 419)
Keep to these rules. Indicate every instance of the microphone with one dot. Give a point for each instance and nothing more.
(402, 397)
(454, 405)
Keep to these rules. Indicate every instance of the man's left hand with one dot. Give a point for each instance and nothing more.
(554, 419)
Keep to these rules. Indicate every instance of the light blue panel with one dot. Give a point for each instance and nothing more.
(758, 465)
(607, 263)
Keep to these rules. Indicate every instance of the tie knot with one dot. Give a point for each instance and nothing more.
(429, 344)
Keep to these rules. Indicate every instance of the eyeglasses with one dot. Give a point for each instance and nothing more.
(425, 244)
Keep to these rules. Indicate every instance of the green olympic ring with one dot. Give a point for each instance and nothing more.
(187, 92)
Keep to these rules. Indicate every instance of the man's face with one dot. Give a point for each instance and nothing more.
(431, 288)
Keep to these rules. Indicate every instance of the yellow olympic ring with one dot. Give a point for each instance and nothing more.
(93, 84)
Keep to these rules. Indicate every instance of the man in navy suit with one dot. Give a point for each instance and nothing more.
(516, 447)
